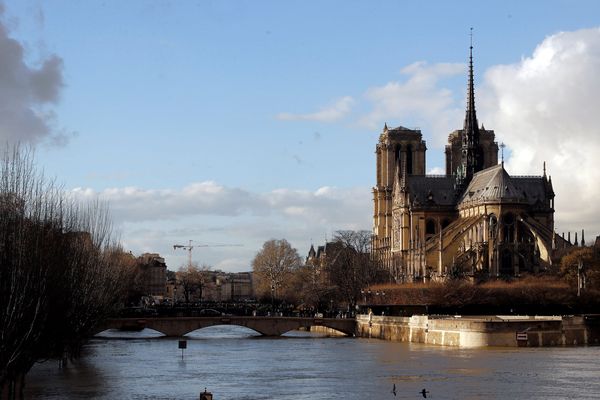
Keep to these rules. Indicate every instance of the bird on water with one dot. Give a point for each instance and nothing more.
(424, 393)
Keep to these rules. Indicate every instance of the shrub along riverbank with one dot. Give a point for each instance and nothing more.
(529, 295)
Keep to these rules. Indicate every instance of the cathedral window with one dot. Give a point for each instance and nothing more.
(508, 222)
(493, 226)
(430, 227)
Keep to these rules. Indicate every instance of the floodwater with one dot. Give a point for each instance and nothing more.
(233, 363)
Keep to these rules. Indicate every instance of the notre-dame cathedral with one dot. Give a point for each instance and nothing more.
(475, 221)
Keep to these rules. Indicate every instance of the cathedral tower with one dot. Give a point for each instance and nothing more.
(398, 149)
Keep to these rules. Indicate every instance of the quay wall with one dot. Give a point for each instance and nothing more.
(481, 331)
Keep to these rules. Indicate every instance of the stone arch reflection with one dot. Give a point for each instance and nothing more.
(223, 332)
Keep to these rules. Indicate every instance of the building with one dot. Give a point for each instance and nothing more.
(318, 259)
(228, 286)
(476, 220)
(152, 272)
(235, 286)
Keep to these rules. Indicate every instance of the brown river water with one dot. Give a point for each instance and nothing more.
(233, 363)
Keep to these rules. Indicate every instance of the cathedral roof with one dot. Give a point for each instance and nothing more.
(495, 184)
(431, 190)
(533, 187)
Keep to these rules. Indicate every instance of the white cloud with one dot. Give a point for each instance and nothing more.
(419, 98)
(238, 264)
(328, 204)
(27, 93)
(205, 198)
(154, 220)
(545, 108)
(437, 171)
(331, 113)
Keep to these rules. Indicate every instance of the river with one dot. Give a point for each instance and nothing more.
(232, 363)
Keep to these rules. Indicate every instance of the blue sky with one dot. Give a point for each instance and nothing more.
(238, 122)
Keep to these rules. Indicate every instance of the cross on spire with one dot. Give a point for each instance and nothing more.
(471, 34)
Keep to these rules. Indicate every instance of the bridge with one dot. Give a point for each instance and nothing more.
(266, 326)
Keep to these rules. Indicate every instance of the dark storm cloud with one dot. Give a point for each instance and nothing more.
(27, 94)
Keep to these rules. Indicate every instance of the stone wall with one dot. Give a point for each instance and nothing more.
(481, 331)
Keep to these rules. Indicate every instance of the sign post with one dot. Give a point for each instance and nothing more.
(182, 346)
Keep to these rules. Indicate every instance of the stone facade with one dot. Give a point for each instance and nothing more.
(152, 271)
(227, 286)
(475, 221)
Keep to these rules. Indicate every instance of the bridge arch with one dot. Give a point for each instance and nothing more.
(267, 326)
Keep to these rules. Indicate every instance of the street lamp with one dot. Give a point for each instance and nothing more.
(580, 276)
(382, 302)
(272, 298)
(331, 307)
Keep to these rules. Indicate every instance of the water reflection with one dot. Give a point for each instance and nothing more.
(211, 332)
(223, 332)
(145, 333)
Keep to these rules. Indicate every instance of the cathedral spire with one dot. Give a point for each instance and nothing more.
(471, 160)
(471, 127)
(544, 169)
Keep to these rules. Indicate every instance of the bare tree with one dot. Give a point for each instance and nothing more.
(350, 266)
(314, 289)
(56, 270)
(580, 267)
(193, 279)
(133, 277)
(272, 267)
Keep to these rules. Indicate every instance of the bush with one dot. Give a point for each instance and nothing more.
(528, 291)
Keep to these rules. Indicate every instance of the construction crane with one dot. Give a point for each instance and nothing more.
(189, 247)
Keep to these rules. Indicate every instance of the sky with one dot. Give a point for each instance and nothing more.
(237, 122)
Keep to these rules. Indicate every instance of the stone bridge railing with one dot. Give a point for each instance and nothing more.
(267, 326)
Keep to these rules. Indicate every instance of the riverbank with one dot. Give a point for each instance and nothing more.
(483, 331)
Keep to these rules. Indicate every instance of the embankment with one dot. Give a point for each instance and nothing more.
(478, 331)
